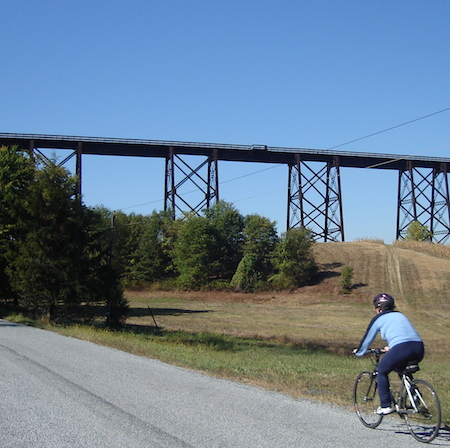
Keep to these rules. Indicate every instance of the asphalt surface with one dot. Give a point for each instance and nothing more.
(60, 392)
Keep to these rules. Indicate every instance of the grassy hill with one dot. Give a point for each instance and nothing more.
(414, 273)
(320, 313)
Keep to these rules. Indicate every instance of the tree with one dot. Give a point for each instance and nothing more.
(54, 259)
(148, 261)
(295, 259)
(195, 252)
(209, 247)
(16, 175)
(418, 232)
(102, 280)
(346, 279)
(228, 225)
(260, 240)
(44, 268)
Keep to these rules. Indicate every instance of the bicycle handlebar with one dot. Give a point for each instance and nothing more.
(377, 352)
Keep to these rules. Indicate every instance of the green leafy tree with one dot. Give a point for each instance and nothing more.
(295, 259)
(16, 176)
(45, 267)
(196, 252)
(418, 232)
(228, 225)
(148, 261)
(55, 260)
(247, 276)
(102, 281)
(256, 266)
(171, 229)
(123, 233)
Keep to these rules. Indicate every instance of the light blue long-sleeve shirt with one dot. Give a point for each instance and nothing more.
(394, 327)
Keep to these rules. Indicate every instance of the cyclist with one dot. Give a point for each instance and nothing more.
(403, 345)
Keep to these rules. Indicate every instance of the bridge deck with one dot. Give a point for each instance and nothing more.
(229, 152)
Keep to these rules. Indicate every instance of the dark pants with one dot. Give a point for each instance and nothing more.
(396, 359)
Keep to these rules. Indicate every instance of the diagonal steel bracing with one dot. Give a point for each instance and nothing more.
(314, 199)
(36, 152)
(423, 196)
(182, 181)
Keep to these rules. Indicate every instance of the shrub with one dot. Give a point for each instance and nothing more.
(295, 258)
(346, 279)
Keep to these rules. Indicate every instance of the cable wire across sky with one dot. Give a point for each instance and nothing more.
(329, 149)
(391, 128)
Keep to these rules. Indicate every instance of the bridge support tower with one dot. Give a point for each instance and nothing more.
(423, 196)
(315, 200)
(181, 174)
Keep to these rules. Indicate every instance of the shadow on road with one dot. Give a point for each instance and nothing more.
(5, 323)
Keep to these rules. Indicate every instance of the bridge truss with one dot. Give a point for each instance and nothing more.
(202, 178)
(315, 200)
(314, 197)
(423, 196)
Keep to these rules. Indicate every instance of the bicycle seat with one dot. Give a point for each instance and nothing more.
(411, 367)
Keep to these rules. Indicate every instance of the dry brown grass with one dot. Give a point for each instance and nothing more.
(319, 312)
(413, 276)
(438, 250)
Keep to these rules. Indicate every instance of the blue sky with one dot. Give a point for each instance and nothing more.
(308, 74)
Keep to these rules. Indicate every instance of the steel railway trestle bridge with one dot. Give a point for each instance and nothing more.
(314, 198)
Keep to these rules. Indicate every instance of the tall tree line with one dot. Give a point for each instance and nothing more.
(56, 254)
(54, 251)
(216, 249)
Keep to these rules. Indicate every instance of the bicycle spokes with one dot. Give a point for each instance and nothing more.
(422, 411)
(365, 396)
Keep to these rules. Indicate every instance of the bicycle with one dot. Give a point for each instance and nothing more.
(416, 401)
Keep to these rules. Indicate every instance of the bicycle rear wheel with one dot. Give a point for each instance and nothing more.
(423, 412)
(366, 399)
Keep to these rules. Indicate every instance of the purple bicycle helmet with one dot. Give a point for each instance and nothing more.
(384, 301)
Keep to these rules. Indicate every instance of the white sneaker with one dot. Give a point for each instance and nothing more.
(384, 411)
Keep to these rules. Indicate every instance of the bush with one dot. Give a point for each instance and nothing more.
(418, 232)
(281, 282)
(247, 274)
(346, 279)
(295, 258)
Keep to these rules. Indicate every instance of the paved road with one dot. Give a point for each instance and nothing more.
(62, 392)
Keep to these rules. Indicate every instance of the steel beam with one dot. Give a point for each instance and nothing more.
(203, 179)
(78, 169)
(77, 153)
(423, 196)
(315, 199)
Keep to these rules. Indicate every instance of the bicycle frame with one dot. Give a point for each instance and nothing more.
(406, 385)
(397, 394)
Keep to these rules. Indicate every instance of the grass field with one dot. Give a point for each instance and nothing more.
(297, 343)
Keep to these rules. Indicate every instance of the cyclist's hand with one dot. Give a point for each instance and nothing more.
(385, 349)
(354, 350)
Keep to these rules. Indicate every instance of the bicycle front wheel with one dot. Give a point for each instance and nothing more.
(422, 411)
(366, 399)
